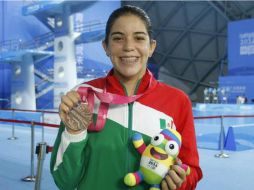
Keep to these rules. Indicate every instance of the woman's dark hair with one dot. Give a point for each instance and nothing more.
(128, 10)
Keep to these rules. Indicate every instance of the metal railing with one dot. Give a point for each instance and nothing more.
(90, 26)
(36, 42)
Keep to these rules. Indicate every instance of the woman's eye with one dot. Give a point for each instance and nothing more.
(140, 38)
(117, 38)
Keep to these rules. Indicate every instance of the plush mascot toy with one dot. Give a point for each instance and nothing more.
(156, 158)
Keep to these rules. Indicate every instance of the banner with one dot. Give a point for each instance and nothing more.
(238, 86)
(241, 47)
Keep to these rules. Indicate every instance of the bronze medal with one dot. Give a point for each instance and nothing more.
(79, 117)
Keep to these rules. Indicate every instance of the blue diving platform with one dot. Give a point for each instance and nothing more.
(43, 10)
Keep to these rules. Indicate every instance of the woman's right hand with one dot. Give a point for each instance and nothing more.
(68, 101)
(75, 115)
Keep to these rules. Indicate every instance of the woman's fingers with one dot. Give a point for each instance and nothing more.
(63, 108)
(174, 179)
(71, 99)
(179, 171)
(164, 185)
(74, 97)
(68, 101)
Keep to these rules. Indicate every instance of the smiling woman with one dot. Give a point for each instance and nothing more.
(129, 47)
(99, 153)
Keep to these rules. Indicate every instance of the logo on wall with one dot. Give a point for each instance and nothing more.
(246, 43)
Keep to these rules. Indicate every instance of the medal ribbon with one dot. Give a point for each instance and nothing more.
(106, 98)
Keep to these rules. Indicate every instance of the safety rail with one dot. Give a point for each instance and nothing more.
(18, 44)
(38, 41)
(219, 116)
(10, 45)
(43, 112)
(47, 38)
(90, 26)
(25, 110)
(29, 122)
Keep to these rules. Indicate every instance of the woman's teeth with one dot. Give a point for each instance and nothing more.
(129, 60)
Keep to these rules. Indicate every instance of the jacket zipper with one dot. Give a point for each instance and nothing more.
(130, 120)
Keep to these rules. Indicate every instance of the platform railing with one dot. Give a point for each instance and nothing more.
(90, 26)
(18, 44)
(46, 39)
(10, 45)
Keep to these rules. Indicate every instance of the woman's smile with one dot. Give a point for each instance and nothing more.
(129, 60)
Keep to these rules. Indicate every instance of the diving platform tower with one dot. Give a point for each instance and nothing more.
(22, 57)
(58, 17)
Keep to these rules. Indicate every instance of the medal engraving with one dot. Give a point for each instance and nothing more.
(78, 118)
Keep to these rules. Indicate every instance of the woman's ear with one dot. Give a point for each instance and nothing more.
(152, 47)
(105, 47)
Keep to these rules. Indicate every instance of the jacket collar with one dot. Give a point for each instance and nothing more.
(113, 85)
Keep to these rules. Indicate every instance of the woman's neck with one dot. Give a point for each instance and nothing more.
(130, 84)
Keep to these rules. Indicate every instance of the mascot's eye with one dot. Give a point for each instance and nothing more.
(157, 140)
(172, 148)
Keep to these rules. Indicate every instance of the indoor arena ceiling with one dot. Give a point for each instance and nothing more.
(192, 39)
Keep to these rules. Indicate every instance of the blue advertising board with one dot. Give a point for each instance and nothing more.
(241, 47)
(236, 86)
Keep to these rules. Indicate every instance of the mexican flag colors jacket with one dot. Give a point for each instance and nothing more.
(100, 160)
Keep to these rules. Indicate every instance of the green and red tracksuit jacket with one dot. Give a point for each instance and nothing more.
(100, 160)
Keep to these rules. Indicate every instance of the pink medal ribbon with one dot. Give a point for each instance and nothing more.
(87, 94)
(106, 98)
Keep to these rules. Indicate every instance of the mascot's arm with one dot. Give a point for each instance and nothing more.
(138, 143)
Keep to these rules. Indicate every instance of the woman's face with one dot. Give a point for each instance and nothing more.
(129, 47)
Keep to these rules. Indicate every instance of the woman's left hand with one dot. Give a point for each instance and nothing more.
(175, 177)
